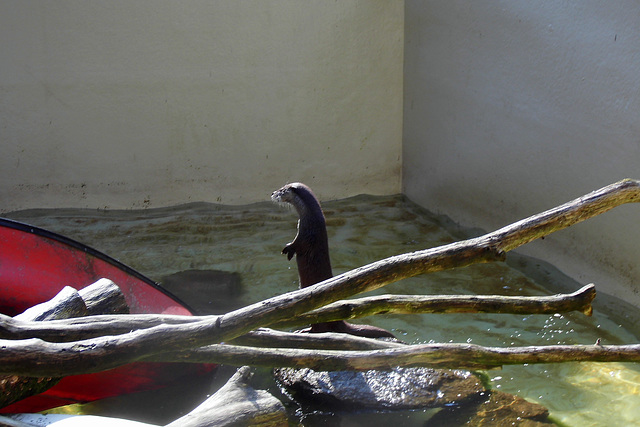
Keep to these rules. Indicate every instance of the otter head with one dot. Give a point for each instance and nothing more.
(300, 197)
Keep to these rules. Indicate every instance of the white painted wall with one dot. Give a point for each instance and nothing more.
(513, 107)
(510, 107)
(125, 104)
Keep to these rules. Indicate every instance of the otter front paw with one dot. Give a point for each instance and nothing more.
(289, 251)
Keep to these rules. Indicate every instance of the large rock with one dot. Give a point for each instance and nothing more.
(399, 388)
(460, 395)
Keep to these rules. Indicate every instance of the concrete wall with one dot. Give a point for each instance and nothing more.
(125, 104)
(509, 108)
(513, 107)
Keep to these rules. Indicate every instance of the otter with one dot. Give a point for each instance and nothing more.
(311, 248)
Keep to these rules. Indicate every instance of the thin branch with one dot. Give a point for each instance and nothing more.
(271, 338)
(417, 304)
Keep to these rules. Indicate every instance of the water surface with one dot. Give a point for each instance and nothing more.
(248, 240)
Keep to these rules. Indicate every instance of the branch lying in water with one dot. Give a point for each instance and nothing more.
(416, 304)
(110, 351)
(450, 355)
(95, 326)
(458, 356)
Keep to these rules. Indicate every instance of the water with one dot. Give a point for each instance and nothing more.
(363, 229)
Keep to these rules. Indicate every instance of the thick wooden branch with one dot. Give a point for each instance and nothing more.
(460, 356)
(415, 304)
(110, 351)
(103, 296)
(95, 326)
(566, 215)
(67, 303)
(236, 404)
(82, 328)
(456, 356)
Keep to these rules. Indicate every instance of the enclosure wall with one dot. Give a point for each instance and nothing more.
(123, 104)
(509, 108)
(513, 107)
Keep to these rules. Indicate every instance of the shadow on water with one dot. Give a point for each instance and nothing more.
(189, 247)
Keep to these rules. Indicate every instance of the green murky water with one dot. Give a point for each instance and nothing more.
(248, 240)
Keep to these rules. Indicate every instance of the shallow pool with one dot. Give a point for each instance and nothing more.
(248, 240)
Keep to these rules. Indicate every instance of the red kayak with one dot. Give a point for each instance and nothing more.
(35, 264)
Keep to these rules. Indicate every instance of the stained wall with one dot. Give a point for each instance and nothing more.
(150, 103)
(514, 107)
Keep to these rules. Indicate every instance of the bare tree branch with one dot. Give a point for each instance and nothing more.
(450, 355)
(38, 358)
(90, 327)
(415, 304)
(461, 356)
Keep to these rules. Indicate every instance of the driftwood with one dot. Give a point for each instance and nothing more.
(66, 303)
(101, 297)
(462, 356)
(271, 338)
(104, 297)
(60, 331)
(236, 404)
(94, 326)
(37, 357)
(414, 304)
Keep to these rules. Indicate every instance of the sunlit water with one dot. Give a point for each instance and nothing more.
(248, 240)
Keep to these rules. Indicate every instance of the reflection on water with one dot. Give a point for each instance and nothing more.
(248, 239)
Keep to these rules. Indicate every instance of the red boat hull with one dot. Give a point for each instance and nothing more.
(36, 264)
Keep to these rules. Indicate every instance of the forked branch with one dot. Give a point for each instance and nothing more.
(91, 355)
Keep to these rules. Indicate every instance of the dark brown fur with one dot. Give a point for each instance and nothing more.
(311, 249)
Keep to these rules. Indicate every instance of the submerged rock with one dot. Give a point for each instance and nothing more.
(496, 409)
(399, 388)
(459, 394)
(206, 291)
